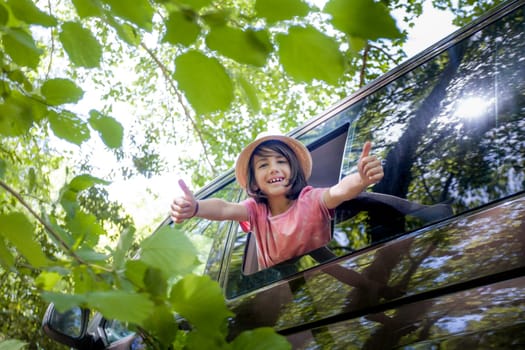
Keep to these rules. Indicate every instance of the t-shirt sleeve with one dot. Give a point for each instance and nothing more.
(316, 195)
(250, 204)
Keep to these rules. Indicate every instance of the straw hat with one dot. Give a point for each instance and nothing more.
(300, 150)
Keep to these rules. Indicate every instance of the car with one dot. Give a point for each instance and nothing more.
(433, 256)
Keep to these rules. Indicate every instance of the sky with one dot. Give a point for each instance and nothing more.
(430, 27)
(148, 200)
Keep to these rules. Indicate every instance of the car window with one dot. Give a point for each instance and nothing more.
(451, 136)
(209, 236)
(243, 271)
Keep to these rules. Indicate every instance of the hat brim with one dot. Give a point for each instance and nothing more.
(300, 150)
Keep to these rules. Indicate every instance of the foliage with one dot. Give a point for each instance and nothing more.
(218, 63)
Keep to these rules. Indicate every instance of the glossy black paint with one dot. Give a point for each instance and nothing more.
(476, 250)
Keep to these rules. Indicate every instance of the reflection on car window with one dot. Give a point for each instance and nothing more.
(450, 134)
(116, 330)
(209, 236)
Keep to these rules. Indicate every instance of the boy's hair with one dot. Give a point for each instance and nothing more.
(297, 177)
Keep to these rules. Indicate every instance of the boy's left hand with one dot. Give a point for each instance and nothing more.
(370, 168)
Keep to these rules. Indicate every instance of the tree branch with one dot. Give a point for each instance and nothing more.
(390, 57)
(48, 228)
(167, 76)
(52, 45)
(362, 73)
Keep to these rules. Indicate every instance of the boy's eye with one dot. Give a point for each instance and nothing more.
(262, 165)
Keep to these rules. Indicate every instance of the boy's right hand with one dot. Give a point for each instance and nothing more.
(183, 207)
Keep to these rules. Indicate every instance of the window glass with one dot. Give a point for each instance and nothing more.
(451, 134)
(209, 236)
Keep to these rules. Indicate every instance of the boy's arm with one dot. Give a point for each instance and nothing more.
(186, 206)
(370, 172)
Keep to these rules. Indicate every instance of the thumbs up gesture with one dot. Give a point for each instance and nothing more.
(185, 206)
(370, 168)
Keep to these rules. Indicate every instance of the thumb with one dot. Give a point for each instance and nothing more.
(366, 149)
(184, 188)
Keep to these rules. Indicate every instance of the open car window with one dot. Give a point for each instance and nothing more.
(209, 236)
(244, 273)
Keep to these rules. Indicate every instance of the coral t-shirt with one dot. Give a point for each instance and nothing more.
(304, 227)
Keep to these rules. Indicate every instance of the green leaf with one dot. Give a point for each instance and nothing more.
(250, 94)
(59, 91)
(87, 8)
(125, 32)
(85, 228)
(28, 12)
(7, 260)
(356, 44)
(204, 82)
(124, 244)
(83, 278)
(216, 17)
(244, 46)
(121, 305)
(21, 47)
(170, 251)
(69, 193)
(63, 302)
(81, 46)
(279, 10)
(4, 15)
(3, 167)
(12, 344)
(135, 272)
(85, 181)
(181, 28)
(162, 325)
(156, 283)
(110, 130)
(31, 179)
(90, 255)
(260, 339)
(138, 12)
(62, 234)
(17, 115)
(69, 127)
(17, 229)
(48, 280)
(307, 54)
(20, 77)
(199, 300)
(195, 4)
(367, 19)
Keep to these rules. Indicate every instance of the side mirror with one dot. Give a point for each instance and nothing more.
(74, 328)
(69, 327)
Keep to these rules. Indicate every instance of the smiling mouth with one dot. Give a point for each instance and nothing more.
(276, 180)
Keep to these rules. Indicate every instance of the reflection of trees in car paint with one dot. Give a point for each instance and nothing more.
(406, 267)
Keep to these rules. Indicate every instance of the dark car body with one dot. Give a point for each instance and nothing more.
(432, 257)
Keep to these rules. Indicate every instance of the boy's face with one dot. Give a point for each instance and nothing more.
(272, 173)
